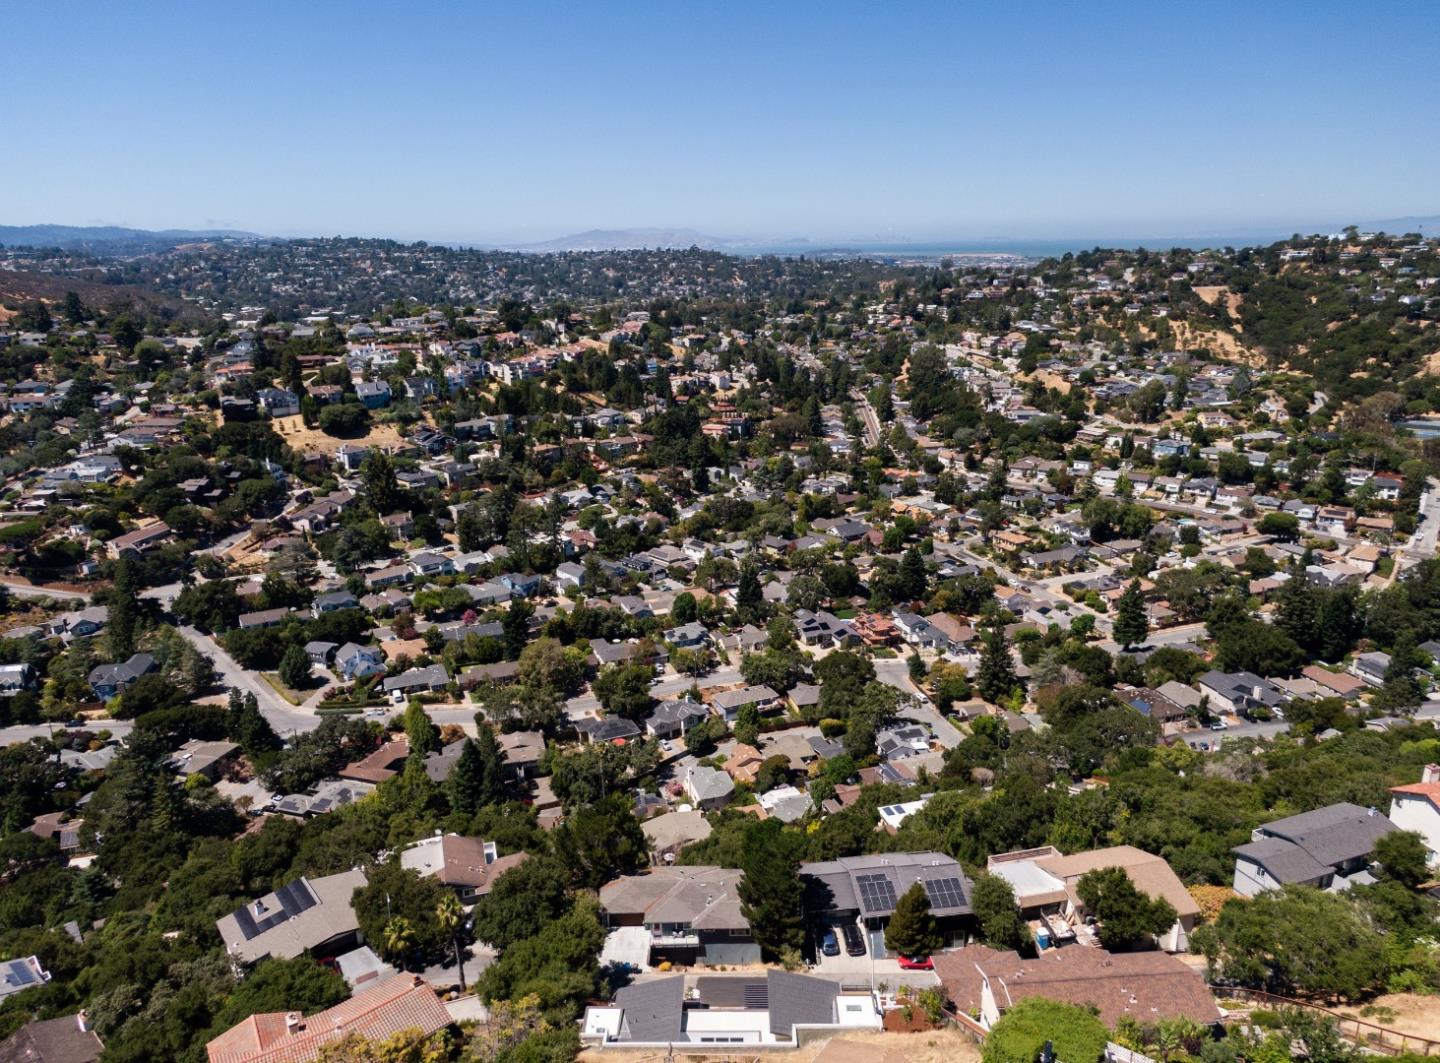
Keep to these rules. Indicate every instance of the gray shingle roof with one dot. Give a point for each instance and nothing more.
(653, 1010)
(799, 1000)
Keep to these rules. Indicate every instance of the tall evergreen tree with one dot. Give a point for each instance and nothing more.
(295, 667)
(124, 621)
(422, 734)
(246, 727)
(516, 624)
(913, 577)
(1297, 608)
(1131, 623)
(749, 599)
(771, 891)
(995, 678)
(912, 930)
(477, 778)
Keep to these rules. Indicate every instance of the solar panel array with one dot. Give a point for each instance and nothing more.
(945, 892)
(293, 898)
(19, 974)
(877, 892)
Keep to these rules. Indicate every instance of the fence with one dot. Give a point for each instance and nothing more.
(1380, 1039)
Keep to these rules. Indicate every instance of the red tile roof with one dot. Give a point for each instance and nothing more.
(398, 1004)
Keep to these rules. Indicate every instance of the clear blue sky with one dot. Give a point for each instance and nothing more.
(882, 119)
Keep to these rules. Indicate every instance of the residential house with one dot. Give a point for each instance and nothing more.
(306, 915)
(109, 680)
(469, 866)
(1330, 848)
(672, 719)
(743, 763)
(1370, 668)
(403, 1004)
(728, 703)
(1144, 986)
(1240, 692)
(777, 1009)
(708, 788)
(865, 890)
(1046, 887)
(140, 541)
(417, 680)
(333, 601)
(68, 1039)
(692, 914)
(21, 974)
(1416, 807)
(353, 661)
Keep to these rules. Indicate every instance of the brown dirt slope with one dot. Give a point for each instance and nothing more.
(18, 286)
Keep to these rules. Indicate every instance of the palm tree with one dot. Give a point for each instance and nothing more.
(449, 914)
(399, 938)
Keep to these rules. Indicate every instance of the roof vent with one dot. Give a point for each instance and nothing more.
(292, 1021)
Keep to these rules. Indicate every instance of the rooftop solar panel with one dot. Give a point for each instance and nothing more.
(945, 892)
(877, 892)
(18, 973)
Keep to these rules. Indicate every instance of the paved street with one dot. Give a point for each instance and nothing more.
(284, 717)
(26, 590)
(23, 732)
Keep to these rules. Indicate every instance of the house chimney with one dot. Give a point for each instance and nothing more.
(292, 1022)
(1430, 773)
(82, 1020)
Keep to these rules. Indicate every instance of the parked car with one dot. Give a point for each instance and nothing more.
(916, 963)
(854, 940)
(829, 943)
(1219, 725)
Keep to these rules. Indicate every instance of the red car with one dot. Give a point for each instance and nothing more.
(916, 963)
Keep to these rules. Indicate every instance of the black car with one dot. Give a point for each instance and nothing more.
(854, 941)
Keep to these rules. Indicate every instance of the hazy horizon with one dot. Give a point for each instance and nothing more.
(835, 123)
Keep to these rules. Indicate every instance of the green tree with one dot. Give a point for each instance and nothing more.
(1403, 857)
(450, 916)
(1128, 918)
(1074, 1033)
(912, 930)
(475, 780)
(1282, 526)
(749, 598)
(246, 727)
(382, 489)
(396, 893)
(995, 678)
(993, 902)
(123, 624)
(624, 690)
(684, 609)
(771, 891)
(913, 577)
(1296, 940)
(601, 841)
(423, 735)
(1131, 623)
(521, 902)
(295, 667)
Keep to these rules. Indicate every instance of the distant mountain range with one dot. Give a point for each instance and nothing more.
(629, 240)
(109, 238)
(117, 240)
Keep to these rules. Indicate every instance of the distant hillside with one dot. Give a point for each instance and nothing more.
(628, 240)
(17, 287)
(110, 239)
(1425, 223)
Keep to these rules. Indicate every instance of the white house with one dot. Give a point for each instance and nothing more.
(1417, 807)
